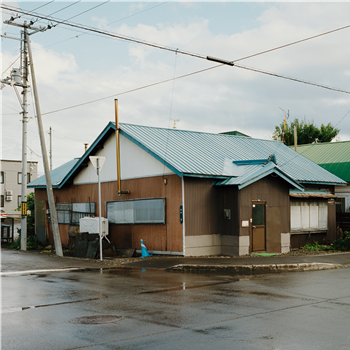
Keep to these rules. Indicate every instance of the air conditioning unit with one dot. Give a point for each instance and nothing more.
(91, 225)
(9, 193)
(9, 198)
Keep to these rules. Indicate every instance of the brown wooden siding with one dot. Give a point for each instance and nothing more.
(202, 207)
(275, 192)
(299, 240)
(332, 221)
(156, 237)
(231, 226)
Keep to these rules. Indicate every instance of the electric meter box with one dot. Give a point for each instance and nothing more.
(91, 225)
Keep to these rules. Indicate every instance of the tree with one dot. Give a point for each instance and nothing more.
(307, 132)
(32, 240)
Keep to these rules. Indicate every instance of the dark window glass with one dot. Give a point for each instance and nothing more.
(2, 177)
(258, 214)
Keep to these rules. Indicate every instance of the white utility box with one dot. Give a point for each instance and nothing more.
(91, 225)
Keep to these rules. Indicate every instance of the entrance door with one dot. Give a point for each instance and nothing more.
(259, 227)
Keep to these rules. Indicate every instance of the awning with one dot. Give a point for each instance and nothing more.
(311, 194)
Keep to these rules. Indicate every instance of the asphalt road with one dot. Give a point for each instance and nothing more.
(162, 310)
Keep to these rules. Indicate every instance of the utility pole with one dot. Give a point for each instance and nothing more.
(24, 73)
(21, 80)
(50, 133)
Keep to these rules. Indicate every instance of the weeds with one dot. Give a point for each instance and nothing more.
(341, 244)
(318, 247)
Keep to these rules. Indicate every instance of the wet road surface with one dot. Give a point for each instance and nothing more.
(162, 310)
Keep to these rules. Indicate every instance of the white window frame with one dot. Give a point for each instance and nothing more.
(308, 216)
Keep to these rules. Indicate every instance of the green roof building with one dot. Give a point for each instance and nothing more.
(334, 157)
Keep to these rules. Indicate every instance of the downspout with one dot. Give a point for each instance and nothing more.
(183, 215)
(119, 192)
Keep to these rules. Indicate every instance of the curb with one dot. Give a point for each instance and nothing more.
(253, 268)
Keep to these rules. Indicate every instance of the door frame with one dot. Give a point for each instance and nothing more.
(251, 222)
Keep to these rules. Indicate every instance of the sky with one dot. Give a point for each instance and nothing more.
(74, 67)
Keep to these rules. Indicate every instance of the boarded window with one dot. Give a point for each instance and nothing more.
(308, 215)
(138, 211)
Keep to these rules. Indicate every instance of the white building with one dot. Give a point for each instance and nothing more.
(11, 183)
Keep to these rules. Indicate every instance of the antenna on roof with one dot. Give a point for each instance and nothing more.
(286, 116)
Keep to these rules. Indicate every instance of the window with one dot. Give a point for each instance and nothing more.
(2, 201)
(71, 213)
(19, 177)
(19, 201)
(63, 213)
(137, 211)
(308, 216)
(2, 177)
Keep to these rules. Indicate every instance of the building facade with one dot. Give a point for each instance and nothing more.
(191, 193)
(11, 183)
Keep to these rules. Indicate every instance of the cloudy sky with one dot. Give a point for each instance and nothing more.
(74, 67)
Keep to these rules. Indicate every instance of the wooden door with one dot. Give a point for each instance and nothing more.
(259, 227)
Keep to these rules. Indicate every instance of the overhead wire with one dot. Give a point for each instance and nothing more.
(74, 3)
(10, 65)
(139, 41)
(37, 8)
(85, 33)
(293, 43)
(113, 35)
(132, 90)
(79, 14)
(196, 72)
(291, 78)
(108, 24)
(191, 54)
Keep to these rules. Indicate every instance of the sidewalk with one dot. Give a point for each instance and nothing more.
(243, 264)
(26, 261)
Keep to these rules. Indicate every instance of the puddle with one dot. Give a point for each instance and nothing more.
(99, 319)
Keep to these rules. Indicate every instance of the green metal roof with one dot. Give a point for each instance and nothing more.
(332, 156)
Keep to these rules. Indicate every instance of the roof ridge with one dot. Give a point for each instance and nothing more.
(195, 132)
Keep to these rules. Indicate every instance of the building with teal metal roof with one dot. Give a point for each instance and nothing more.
(197, 193)
(57, 175)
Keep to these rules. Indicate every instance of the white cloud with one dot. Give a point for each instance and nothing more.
(225, 98)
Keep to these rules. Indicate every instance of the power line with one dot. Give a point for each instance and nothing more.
(293, 79)
(201, 71)
(191, 54)
(66, 20)
(98, 31)
(42, 5)
(121, 19)
(163, 47)
(74, 3)
(293, 43)
(11, 65)
(132, 90)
